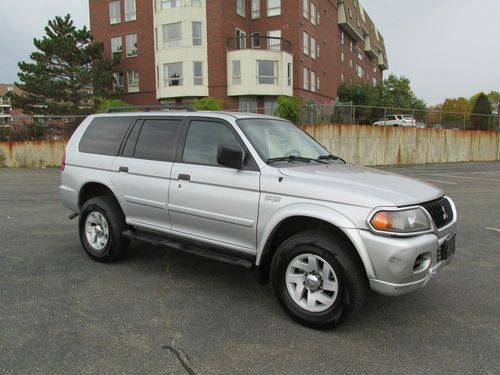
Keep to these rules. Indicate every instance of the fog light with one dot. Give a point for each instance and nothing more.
(422, 262)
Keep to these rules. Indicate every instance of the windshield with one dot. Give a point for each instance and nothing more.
(275, 139)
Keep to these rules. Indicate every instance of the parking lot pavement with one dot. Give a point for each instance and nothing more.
(161, 311)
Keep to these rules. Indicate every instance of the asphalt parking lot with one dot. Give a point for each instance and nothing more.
(161, 311)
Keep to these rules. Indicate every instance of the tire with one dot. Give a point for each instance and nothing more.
(101, 224)
(312, 258)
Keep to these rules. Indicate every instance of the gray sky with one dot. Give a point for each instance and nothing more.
(448, 48)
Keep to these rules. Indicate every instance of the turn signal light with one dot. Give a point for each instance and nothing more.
(382, 221)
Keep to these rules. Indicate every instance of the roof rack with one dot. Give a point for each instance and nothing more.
(148, 108)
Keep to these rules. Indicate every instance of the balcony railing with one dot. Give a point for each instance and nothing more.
(259, 42)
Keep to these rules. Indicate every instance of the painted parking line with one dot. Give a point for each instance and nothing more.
(463, 177)
(493, 229)
(438, 181)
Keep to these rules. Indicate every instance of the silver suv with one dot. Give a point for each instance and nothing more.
(258, 192)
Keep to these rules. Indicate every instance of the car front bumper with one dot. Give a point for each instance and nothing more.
(394, 259)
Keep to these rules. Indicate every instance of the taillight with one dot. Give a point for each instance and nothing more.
(63, 161)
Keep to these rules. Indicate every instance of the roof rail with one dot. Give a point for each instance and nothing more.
(148, 108)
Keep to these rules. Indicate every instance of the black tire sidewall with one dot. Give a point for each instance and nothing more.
(336, 257)
(115, 222)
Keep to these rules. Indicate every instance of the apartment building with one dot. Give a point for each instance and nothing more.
(6, 109)
(245, 52)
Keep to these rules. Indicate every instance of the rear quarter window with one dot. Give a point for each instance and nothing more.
(104, 135)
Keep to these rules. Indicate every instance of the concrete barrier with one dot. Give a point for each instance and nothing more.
(31, 154)
(372, 145)
(362, 145)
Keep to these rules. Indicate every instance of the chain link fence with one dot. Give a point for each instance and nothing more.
(51, 128)
(38, 128)
(347, 113)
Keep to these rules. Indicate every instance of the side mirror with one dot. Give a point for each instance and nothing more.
(230, 156)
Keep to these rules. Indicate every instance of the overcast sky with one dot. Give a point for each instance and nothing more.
(448, 48)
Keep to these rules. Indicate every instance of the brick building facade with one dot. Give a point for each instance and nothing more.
(246, 52)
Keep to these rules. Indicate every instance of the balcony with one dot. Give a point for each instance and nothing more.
(370, 48)
(258, 42)
(259, 65)
(382, 61)
(348, 24)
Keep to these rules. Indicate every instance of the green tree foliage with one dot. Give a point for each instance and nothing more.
(481, 107)
(65, 71)
(291, 108)
(396, 92)
(460, 107)
(207, 104)
(102, 104)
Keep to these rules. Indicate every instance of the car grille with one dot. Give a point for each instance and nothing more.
(440, 211)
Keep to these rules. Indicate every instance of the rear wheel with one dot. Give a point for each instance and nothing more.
(317, 279)
(101, 225)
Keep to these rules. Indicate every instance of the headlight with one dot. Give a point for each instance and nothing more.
(403, 221)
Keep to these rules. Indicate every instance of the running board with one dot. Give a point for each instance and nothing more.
(159, 240)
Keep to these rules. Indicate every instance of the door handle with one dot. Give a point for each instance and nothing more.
(123, 169)
(185, 177)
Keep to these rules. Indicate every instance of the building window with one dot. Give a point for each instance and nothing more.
(267, 72)
(317, 83)
(255, 40)
(173, 74)
(374, 81)
(273, 8)
(196, 27)
(342, 56)
(289, 74)
(131, 45)
(305, 78)
(360, 71)
(116, 46)
(350, 46)
(241, 39)
(130, 13)
(274, 44)
(313, 81)
(313, 13)
(360, 54)
(350, 63)
(248, 105)
(198, 73)
(240, 7)
(172, 35)
(305, 8)
(118, 81)
(342, 77)
(350, 13)
(255, 9)
(133, 81)
(196, 3)
(270, 106)
(236, 72)
(114, 12)
(313, 48)
(306, 43)
(167, 4)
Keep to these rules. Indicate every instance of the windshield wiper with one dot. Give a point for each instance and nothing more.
(292, 158)
(331, 157)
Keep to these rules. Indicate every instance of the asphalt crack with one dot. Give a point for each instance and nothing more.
(182, 357)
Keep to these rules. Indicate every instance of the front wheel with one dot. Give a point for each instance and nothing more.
(101, 225)
(317, 279)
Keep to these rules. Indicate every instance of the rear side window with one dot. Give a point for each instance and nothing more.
(158, 140)
(104, 135)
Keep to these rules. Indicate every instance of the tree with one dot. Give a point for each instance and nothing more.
(481, 107)
(461, 109)
(102, 105)
(66, 71)
(396, 92)
(291, 108)
(207, 104)
(359, 94)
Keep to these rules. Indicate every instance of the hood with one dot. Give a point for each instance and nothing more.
(359, 186)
